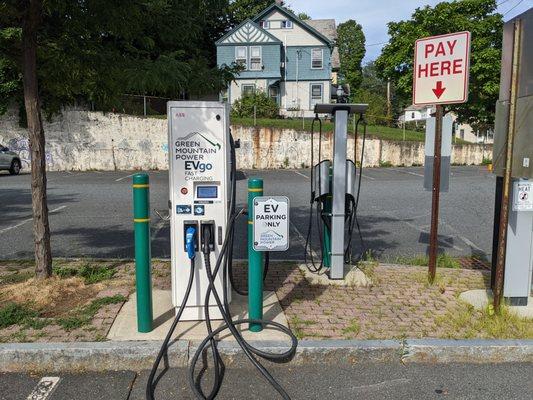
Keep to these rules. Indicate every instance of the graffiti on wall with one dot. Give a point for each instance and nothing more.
(22, 147)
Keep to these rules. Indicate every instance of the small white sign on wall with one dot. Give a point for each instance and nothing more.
(523, 196)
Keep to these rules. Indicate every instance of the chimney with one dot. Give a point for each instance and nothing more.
(279, 2)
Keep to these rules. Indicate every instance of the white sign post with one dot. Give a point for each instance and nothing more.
(441, 69)
(271, 223)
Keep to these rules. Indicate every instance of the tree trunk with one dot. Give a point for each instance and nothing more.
(41, 227)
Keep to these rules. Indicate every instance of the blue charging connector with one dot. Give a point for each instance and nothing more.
(190, 234)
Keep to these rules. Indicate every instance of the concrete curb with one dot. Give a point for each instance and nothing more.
(136, 356)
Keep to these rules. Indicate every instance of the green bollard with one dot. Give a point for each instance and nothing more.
(255, 260)
(143, 272)
(326, 238)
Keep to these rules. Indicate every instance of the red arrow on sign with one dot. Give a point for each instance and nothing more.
(439, 90)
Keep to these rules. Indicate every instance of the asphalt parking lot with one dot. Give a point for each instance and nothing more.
(91, 213)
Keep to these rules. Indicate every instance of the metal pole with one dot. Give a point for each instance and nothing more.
(255, 115)
(507, 181)
(339, 195)
(144, 103)
(326, 237)
(404, 130)
(388, 103)
(434, 236)
(255, 260)
(143, 273)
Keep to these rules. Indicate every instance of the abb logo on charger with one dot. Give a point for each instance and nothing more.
(441, 69)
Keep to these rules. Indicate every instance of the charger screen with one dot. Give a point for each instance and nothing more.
(207, 192)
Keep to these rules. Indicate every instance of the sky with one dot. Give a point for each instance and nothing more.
(374, 15)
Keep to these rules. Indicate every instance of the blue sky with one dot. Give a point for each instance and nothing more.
(373, 15)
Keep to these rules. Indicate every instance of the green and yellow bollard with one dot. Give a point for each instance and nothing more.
(255, 260)
(143, 272)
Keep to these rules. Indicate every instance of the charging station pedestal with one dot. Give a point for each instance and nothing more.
(199, 155)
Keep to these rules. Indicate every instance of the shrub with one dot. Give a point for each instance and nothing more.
(266, 107)
(13, 314)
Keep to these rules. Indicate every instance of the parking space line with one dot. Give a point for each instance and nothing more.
(299, 173)
(124, 177)
(44, 389)
(28, 220)
(406, 172)
(369, 177)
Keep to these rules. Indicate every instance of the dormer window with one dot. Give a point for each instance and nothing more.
(265, 24)
(241, 56)
(287, 24)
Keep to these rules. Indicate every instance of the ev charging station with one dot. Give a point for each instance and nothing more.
(198, 143)
(335, 188)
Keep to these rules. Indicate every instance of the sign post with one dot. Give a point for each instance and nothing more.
(441, 70)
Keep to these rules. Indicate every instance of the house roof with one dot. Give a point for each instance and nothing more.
(264, 34)
(413, 107)
(328, 28)
(294, 17)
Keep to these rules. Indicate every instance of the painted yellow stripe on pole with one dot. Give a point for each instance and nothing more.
(251, 222)
(141, 220)
(140, 186)
(255, 190)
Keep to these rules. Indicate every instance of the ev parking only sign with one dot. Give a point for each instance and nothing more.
(271, 223)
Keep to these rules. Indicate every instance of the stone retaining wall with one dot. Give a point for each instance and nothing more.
(84, 140)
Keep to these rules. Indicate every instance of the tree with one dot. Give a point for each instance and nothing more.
(243, 9)
(373, 91)
(351, 44)
(303, 16)
(477, 16)
(62, 52)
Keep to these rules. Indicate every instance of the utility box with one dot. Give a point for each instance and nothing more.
(517, 34)
(199, 156)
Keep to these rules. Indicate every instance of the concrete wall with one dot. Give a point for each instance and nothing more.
(85, 140)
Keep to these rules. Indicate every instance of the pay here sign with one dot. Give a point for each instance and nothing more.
(441, 69)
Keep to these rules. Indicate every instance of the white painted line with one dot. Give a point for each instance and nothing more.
(384, 384)
(302, 240)
(299, 173)
(124, 177)
(369, 177)
(28, 220)
(44, 388)
(467, 241)
(406, 172)
(158, 226)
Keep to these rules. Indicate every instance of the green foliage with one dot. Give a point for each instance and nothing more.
(243, 9)
(265, 106)
(303, 16)
(443, 261)
(14, 314)
(16, 277)
(477, 16)
(89, 272)
(351, 44)
(84, 315)
(95, 52)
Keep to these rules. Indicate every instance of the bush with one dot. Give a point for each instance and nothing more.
(266, 107)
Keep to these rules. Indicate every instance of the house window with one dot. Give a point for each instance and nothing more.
(247, 90)
(265, 24)
(241, 57)
(317, 58)
(286, 24)
(413, 115)
(274, 92)
(462, 133)
(255, 58)
(316, 94)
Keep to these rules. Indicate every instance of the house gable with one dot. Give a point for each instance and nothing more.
(247, 32)
(300, 34)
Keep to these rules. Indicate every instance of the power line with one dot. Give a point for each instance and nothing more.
(376, 44)
(512, 8)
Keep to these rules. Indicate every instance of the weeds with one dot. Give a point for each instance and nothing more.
(15, 314)
(90, 273)
(443, 261)
(85, 314)
(16, 277)
(352, 329)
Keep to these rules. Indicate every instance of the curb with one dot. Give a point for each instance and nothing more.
(136, 356)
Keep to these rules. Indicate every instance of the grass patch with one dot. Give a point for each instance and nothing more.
(15, 314)
(470, 323)
(353, 329)
(89, 272)
(298, 324)
(385, 164)
(486, 161)
(84, 315)
(443, 261)
(16, 277)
